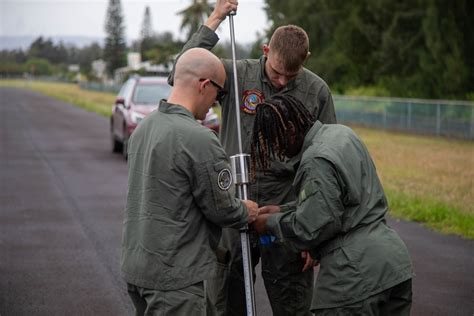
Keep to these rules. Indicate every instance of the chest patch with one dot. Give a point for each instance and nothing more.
(224, 179)
(250, 100)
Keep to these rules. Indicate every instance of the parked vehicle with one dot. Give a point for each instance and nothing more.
(211, 121)
(138, 97)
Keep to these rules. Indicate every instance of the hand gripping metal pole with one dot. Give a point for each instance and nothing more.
(240, 171)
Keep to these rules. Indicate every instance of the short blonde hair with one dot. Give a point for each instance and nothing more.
(291, 45)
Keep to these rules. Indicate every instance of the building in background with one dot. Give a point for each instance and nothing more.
(98, 69)
(145, 68)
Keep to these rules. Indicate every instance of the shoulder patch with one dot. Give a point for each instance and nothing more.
(224, 179)
(250, 100)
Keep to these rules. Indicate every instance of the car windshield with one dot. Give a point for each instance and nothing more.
(150, 94)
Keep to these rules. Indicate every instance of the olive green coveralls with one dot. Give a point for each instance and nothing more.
(365, 268)
(289, 290)
(180, 194)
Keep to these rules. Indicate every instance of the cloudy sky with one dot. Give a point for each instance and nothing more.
(86, 18)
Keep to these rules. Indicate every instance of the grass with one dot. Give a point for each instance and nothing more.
(99, 102)
(427, 179)
(437, 215)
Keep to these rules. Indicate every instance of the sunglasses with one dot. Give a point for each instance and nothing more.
(221, 92)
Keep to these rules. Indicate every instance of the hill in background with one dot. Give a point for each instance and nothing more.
(23, 42)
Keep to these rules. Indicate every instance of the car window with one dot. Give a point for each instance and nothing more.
(125, 91)
(150, 93)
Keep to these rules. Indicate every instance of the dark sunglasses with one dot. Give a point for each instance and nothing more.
(221, 92)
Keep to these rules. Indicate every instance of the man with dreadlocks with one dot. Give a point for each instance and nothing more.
(280, 69)
(339, 214)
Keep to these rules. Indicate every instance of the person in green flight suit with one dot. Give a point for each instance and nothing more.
(180, 194)
(339, 214)
(279, 70)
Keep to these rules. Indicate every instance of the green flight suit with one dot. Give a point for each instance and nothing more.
(289, 290)
(340, 218)
(180, 194)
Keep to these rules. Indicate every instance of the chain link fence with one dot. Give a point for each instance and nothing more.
(429, 117)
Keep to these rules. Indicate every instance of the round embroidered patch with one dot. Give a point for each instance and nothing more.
(250, 100)
(224, 179)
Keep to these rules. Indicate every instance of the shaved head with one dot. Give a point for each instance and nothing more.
(198, 80)
(198, 63)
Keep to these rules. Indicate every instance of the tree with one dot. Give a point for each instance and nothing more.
(12, 56)
(86, 56)
(46, 49)
(164, 49)
(409, 48)
(39, 67)
(443, 59)
(257, 47)
(12, 63)
(147, 28)
(44, 57)
(115, 47)
(193, 16)
(147, 38)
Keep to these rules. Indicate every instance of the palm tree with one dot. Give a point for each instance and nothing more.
(193, 16)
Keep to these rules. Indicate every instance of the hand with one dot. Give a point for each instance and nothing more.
(221, 11)
(309, 262)
(224, 7)
(269, 209)
(252, 210)
(260, 223)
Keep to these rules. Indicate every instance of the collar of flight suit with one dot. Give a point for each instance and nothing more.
(308, 139)
(171, 108)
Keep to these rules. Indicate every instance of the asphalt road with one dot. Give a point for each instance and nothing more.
(62, 195)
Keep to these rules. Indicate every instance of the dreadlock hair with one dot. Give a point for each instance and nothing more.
(273, 117)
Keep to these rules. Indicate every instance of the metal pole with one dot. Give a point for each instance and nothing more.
(240, 168)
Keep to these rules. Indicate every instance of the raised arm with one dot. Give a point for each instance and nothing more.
(206, 37)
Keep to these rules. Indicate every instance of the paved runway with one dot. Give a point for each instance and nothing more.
(62, 195)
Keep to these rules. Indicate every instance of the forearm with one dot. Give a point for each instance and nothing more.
(221, 10)
(235, 217)
(297, 233)
(278, 225)
(213, 21)
(317, 217)
(205, 38)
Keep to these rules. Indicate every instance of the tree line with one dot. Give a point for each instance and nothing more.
(406, 48)
(44, 57)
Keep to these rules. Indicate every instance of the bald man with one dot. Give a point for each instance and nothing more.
(180, 195)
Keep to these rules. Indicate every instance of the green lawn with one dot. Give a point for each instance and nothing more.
(427, 179)
(99, 102)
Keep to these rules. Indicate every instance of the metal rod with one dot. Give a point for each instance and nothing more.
(236, 86)
(240, 163)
